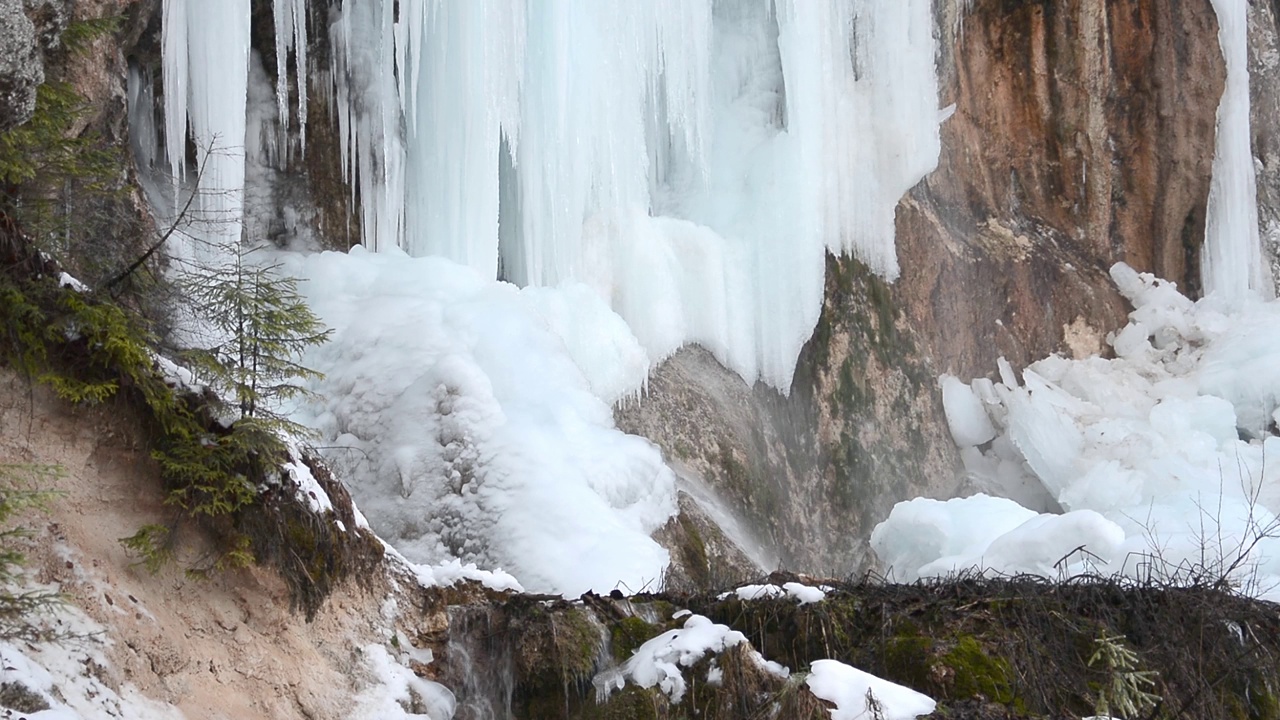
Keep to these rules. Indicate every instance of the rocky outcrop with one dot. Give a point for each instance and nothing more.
(1264, 85)
(1083, 135)
(21, 65)
(811, 473)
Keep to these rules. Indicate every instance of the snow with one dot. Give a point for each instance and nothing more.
(69, 674)
(861, 696)
(67, 280)
(659, 661)
(394, 687)
(451, 572)
(1155, 461)
(794, 590)
(468, 428)
(306, 486)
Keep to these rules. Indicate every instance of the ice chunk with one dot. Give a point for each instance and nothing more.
(966, 417)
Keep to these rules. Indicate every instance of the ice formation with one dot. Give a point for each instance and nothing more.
(206, 70)
(1231, 261)
(469, 422)
(651, 174)
(1159, 461)
(691, 161)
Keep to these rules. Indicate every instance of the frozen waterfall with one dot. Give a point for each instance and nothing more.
(1231, 262)
(690, 160)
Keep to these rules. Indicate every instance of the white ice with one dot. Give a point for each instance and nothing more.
(690, 161)
(469, 422)
(1231, 260)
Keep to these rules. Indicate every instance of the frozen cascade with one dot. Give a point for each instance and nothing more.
(366, 92)
(1231, 262)
(680, 165)
(206, 75)
(690, 160)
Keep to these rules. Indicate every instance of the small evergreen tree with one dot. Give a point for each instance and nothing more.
(261, 327)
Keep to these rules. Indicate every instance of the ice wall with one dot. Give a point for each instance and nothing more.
(691, 160)
(1231, 261)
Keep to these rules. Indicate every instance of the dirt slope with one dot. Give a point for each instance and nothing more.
(222, 648)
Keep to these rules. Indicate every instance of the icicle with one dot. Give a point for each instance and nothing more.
(142, 118)
(291, 34)
(174, 43)
(283, 12)
(206, 66)
(1231, 262)
(301, 66)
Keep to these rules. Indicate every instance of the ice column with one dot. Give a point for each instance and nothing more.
(291, 34)
(1231, 262)
(370, 109)
(174, 51)
(206, 71)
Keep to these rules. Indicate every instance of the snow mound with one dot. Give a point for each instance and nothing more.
(660, 660)
(861, 696)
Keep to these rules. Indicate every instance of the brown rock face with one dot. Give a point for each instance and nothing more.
(1083, 135)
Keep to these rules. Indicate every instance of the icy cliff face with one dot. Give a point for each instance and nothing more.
(691, 161)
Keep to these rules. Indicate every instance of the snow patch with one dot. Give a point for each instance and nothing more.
(862, 696)
(660, 660)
